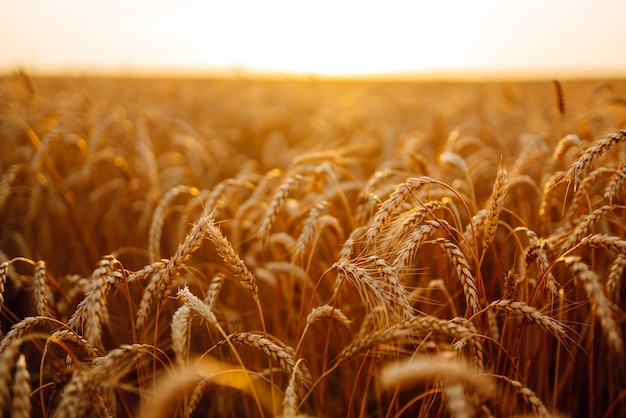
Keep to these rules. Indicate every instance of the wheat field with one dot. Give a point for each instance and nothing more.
(307, 248)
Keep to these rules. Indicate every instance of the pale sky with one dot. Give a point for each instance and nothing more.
(551, 38)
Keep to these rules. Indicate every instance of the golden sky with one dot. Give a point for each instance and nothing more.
(549, 38)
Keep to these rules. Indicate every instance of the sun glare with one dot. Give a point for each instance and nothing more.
(325, 37)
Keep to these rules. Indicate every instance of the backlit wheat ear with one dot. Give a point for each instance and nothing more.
(464, 272)
(158, 218)
(604, 145)
(600, 305)
(160, 284)
(20, 404)
(276, 203)
(401, 193)
(531, 315)
(496, 202)
(230, 257)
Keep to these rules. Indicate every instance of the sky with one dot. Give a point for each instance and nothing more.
(545, 38)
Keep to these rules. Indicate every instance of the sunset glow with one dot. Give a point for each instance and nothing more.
(324, 38)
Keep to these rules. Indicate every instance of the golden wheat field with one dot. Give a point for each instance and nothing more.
(307, 248)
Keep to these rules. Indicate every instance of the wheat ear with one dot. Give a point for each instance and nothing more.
(273, 350)
(20, 404)
(496, 203)
(463, 271)
(92, 311)
(160, 284)
(276, 203)
(529, 396)
(531, 315)
(42, 290)
(600, 305)
(158, 218)
(401, 193)
(614, 281)
(604, 145)
(230, 257)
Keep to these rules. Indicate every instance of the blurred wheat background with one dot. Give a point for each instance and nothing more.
(311, 248)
